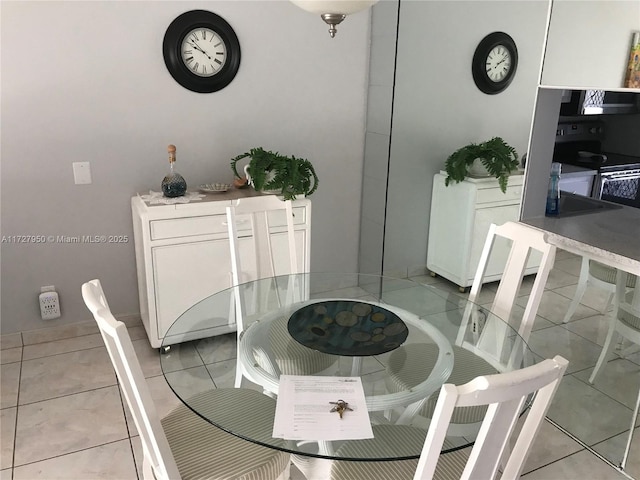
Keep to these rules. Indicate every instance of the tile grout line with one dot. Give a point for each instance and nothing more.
(596, 388)
(15, 425)
(46, 459)
(589, 449)
(126, 423)
(69, 394)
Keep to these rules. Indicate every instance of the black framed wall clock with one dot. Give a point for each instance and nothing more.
(201, 51)
(495, 62)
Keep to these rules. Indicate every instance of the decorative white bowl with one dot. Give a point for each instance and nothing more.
(214, 187)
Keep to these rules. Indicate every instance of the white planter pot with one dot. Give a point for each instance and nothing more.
(477, 169)
(270, 176)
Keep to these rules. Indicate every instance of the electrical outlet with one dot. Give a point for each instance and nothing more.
(49, 303)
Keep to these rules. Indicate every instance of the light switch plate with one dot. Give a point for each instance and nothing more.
(82, 173)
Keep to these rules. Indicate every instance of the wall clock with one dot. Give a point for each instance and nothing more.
(201, 51)
(494, 63)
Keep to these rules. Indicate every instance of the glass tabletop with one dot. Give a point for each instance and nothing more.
(402, 338)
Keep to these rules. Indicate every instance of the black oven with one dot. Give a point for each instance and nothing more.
(619, 186)
(618, 176)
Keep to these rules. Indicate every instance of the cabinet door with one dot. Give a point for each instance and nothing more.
(186, 273)
(578, 185)
(483, 219)
(280, 254)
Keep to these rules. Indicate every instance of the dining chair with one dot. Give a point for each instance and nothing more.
(625, 322)
(503, 397)
(412, 363)
(599, 275)
(259, 238)
(183, 445)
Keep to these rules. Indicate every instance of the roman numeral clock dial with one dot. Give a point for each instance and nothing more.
(201, 51)
(494, 63)
(498, 63)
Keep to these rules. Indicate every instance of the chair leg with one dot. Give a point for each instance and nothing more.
(608, 304)
(312, 468)
(238, 380)
(147, 471)
(606, 350)
(582, 287)
(623, 464)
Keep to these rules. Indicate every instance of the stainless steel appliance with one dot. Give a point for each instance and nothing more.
(598, 102)
(619, 183)
(618, 176)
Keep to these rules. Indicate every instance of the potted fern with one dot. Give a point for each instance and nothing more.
(495, 155)
(270, 171)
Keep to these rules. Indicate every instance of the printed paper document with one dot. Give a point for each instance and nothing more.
(303, 409)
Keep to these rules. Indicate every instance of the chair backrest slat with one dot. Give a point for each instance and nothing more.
(505, 394)
(273, 253)
(525, 242)
(134, 386)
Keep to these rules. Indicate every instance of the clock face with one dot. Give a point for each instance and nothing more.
(498, 63)
(203, 52)
(494, 63)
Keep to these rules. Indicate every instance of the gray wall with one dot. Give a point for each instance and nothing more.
(384, 31)
(85, 81)
(437, 107)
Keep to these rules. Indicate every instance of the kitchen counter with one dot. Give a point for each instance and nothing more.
(611, 237)
(572, 171)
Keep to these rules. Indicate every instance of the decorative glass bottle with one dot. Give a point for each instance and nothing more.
(173, 185)
(553, 193)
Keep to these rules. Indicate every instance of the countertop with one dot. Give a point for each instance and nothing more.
(572, 171)
(611, 236)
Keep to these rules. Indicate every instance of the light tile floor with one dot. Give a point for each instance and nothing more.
(62, 415)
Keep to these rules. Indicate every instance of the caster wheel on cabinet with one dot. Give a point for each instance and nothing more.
(165, 349)
(433, 274)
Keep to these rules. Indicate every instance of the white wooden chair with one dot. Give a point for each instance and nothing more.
(183, 445)
(599, 275)
(503, 397)
(412, 363)
(625, 322)
(269, 251)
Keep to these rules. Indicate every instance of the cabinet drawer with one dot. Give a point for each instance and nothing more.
(493, 195)
(210, 224)
(187, 227)
(277, 219)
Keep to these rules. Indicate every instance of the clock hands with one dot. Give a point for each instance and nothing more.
(197, 47)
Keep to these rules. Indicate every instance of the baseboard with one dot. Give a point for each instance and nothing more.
(60, 332)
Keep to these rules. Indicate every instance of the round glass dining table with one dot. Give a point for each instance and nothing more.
(401, 338)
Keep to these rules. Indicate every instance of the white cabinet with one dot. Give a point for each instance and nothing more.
(182, 257)
(460, 218)
(588, 43)
(577, 180)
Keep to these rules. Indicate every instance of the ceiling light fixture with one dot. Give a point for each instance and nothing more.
(333, 11)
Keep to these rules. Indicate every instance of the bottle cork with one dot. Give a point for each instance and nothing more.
(172, 153)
